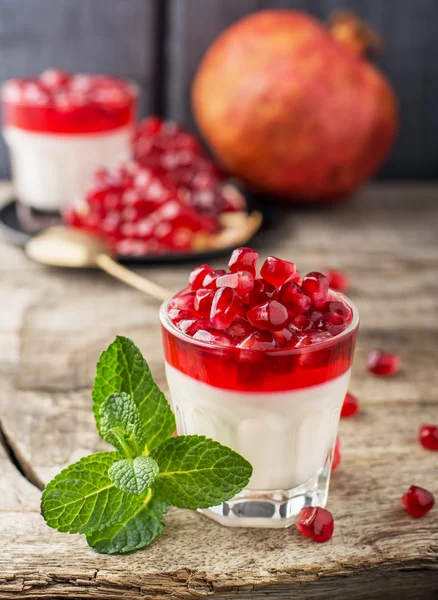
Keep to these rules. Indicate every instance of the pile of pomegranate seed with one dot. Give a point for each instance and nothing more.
(176, 155)
(350, 406)
(316, 522)
(273, 311)
(383, 363)
(167, 200)
(417, 501)
(428, 436)
(138, 212)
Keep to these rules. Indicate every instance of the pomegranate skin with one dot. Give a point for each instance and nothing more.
(291, 110)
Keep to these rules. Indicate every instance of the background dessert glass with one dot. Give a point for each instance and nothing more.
(58, 136)
(278, 408)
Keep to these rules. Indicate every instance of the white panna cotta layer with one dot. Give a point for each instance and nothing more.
(50, 169)
(286, 436)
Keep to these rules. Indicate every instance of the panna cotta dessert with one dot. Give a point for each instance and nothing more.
(60, 128)
(261, 363)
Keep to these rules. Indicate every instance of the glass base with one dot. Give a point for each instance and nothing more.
(271, 508)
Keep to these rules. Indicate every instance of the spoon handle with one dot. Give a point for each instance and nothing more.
(110, 266)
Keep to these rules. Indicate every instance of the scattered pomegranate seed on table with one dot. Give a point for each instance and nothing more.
(337, 280)
(350, 406)
(168, 199)
(428, 436)
(417, 501)
(336, 454)
(316, 522)
(383, 363)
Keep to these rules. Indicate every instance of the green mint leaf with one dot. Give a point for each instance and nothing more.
(122, 368)
(82, 498)
(121, 425)
(133, 475)
(135, 532)
(196, 472)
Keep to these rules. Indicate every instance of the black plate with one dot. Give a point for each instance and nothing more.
(11, 229)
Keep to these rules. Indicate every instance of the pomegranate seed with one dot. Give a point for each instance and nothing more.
(350, 406)
(316, 285)
(277, 272)
(417, 501)
(210, 279)
(212, 337)
(334, 323)
(282, 337)
(53, 79)
(299, 323)
(261, 292)
(224, 308)
(428, 436)
(383, 363)
(183, 302)
(272, 316)
(337, 280)
(203, 300)
(316, 522)
(336, 459)
(259, 340)
(197, 276)
(297, 278)
(293, 297)
(244, 259)
(240, 281)
(152, 125)
(177, 315)
(239, 330)
(338, 308)
(187, 325)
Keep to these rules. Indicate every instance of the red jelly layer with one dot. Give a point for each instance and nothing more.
(246, 370)
(80, 104)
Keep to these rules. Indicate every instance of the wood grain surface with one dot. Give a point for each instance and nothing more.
(54, 324)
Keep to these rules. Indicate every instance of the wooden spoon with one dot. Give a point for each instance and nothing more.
(66, 247)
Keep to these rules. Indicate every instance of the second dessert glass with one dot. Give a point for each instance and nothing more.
(60, 128)
(279, 409)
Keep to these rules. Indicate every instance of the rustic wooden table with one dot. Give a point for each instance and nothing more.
(53, 325)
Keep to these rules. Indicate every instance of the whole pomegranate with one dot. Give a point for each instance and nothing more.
(294, 108)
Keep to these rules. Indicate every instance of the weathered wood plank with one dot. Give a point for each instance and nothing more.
(196, 557)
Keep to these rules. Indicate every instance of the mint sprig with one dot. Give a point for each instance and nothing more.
(118, 499)
(122, 368)
(196, 472)
(121, 425)
(134, 475)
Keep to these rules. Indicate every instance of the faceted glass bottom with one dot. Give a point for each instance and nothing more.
(272, 508)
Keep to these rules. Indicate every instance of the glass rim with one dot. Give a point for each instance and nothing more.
(350, 330)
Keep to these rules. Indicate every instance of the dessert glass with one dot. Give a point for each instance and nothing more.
(59, 134)
(279, 409)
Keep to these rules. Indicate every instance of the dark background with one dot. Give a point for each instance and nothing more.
(158, 43)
